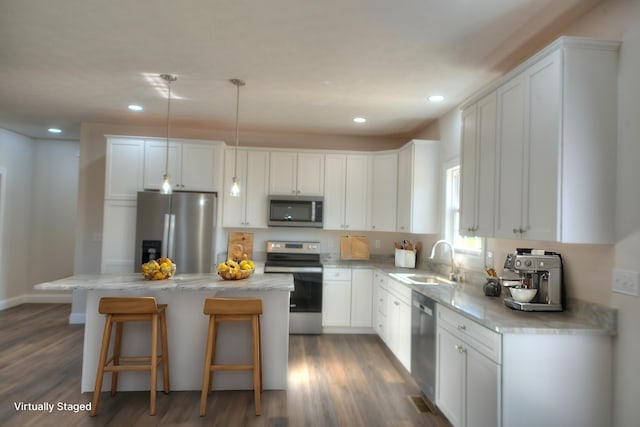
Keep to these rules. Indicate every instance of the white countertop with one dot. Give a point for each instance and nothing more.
(469, 300)
(259, 281)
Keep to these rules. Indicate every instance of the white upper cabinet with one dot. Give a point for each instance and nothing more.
(124, 167)
(418, 187)
(478, 167)
(383, 180)
(345, 191)
(556, 169)
(191, 166)
(250, 209)
(296, 173)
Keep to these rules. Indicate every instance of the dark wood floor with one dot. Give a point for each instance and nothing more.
(334, 380)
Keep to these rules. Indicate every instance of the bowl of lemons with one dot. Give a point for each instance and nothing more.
(236, 270)
(160, 269)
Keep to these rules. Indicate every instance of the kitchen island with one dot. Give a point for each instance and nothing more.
(187, 327)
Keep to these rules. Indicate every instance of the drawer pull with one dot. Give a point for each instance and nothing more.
(462, 328)
(460, 348)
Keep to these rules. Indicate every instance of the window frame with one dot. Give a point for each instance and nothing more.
(465, 258)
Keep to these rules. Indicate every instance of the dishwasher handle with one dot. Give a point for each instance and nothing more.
(423, 308)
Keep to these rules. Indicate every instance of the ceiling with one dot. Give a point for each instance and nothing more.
(310, 66)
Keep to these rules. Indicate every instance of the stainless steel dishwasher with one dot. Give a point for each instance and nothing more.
(423, 344)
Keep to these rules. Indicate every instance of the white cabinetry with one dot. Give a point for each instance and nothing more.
(336, 297)
(119, 234)
(380, 295)
(418, 190)
(345, 192)
(556, 121)
(398, 316)
(347, 297)
(361, 297)
(478, 167)
(250, 209)
(296, 173)
(124, 167)
(468, 371)
(383, 180)
(192, 166)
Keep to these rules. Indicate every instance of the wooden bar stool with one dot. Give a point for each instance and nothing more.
(232, 310)
(118, 311)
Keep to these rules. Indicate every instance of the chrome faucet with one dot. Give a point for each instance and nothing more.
(452, 276)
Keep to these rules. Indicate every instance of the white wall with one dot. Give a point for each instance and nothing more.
(38, 196)
(627, 249)
(53, 214)
(15, 161)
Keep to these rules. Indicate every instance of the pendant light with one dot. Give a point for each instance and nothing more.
(166, 185)
(235, 185)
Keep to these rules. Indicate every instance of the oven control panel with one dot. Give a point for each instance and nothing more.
(292, 247)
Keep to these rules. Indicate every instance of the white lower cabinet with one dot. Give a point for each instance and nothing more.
(347, 297)
(336, 297)
(468, 371)
(380, 294)
(398, 321)
(361, 297)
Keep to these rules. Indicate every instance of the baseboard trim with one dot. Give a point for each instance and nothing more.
(12, 302)
(62, 298)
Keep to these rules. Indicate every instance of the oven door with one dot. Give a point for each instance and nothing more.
(305, 304)
(307, 294)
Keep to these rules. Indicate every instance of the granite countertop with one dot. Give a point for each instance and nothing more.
(469, 300)
(259, 281)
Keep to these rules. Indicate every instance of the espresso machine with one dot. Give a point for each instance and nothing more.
(536, 269)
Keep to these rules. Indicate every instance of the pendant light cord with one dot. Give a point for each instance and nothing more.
(237, 83)
(166, 161)
(235, 167)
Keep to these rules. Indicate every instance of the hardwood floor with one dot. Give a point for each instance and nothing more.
(334, 380)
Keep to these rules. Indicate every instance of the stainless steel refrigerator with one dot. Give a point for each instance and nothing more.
(179, 226)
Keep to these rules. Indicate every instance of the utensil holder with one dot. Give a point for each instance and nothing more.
(405, 258)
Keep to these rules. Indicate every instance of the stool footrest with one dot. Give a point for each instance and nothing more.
(232, 367)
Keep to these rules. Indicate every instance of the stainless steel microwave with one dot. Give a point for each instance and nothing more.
(295, 211)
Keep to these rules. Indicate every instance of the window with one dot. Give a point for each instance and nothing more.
(467, 246)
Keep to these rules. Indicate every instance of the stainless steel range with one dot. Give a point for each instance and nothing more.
(302, 259)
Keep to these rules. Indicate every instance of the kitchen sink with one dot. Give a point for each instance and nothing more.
(422, 279)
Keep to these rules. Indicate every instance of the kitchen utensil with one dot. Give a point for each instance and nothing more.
(492, 287)
(523, 294)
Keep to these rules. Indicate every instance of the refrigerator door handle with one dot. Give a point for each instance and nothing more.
(172, 232)
(165, 236)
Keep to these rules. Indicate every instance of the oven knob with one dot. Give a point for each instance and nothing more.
(528, 263)
(518, 263)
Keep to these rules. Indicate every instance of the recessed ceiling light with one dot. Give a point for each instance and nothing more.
(359, 120)
(436, 98)
(134, 107)
(55, 130)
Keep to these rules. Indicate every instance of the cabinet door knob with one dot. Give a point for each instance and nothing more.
(460, 348)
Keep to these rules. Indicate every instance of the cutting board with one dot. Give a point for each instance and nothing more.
(354, 247)
(240, 244)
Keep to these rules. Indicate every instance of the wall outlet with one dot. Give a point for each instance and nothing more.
(377, 244)
(626, 282)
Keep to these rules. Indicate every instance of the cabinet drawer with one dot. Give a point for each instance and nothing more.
(482, 339)
(381, 303)
(336, 274)
(399, 290)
